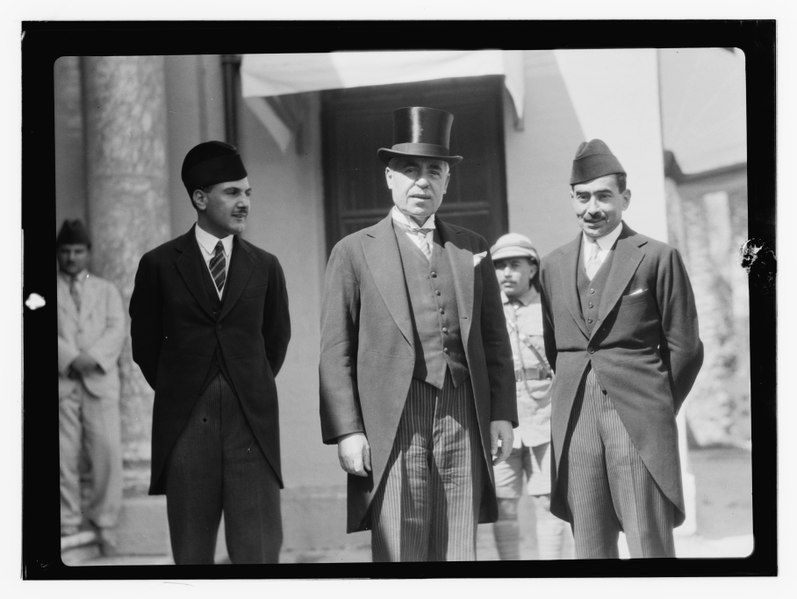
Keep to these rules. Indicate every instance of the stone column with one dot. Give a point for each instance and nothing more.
(124, 103)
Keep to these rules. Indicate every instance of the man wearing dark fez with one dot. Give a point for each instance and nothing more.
(620, 329)
(210, 328)
(91, 333)
(416, 379)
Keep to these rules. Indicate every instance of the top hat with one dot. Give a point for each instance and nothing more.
(73, 232)
(594, 159)
(209, 163)
(422, 132)
(514, 245)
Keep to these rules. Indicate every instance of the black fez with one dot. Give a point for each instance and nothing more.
(209, 163)
(594, 159)
(420, 131)
(73, 232)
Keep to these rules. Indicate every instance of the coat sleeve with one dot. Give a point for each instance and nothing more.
(497, 350)
(681, 349)
(339, 398)
(67, 352)
(548, 329)
(276, 318)
(146, 326)
(108, 346)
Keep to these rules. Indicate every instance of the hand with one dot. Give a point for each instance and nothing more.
(354, 454)
(84, 364)
(500, 430)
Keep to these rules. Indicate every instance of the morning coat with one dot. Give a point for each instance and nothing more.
(644, 349)
(367, 355)
(175, 335)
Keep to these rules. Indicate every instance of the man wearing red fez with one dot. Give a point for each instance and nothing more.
(416, 377)
(210, 328)
(91, 333)
(621, 333)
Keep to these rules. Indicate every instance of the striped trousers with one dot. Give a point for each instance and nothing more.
(609, 489)
(427, 505)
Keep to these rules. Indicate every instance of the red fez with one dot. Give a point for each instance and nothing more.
(209, 163)
(594, 159)
(422, 132)
(73, 232)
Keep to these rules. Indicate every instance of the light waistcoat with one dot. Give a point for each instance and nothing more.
(437, 339)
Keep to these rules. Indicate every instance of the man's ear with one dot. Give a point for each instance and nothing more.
(199, 199)
(389, 177)
(627, 198)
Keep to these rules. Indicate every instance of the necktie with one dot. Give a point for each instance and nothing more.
(593, 258)
(218, 266)
(74, 291)
(423, 240)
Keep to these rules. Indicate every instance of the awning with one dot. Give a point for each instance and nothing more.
(270, 75)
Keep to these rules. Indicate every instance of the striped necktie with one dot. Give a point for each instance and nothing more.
(218, 266)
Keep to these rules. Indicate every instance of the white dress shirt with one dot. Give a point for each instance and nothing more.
(605, 244)
(408, 224)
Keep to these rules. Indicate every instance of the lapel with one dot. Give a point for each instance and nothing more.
(627, 257)
(463, 269)
(189, 264)
(569, 283)
(65, 298)
(238, 274)
(383, 259)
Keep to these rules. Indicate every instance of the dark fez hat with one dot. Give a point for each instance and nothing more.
(209, 163)
(422, 132)
(594, 159)
(73, 232)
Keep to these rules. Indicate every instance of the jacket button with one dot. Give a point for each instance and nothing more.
(433, 274)
(591, 349)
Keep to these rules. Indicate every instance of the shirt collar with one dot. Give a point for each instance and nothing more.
(524, 299)
(404, 220)
(606, 242)
(208, 242)
(79, 277)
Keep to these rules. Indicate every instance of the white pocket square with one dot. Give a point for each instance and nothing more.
(478, 258)
(637, 292)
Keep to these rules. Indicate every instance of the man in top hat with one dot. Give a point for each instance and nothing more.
(416, 380)
(621, 333)
(91, 332)
(210, 328)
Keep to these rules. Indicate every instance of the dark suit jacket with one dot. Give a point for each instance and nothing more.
(644, 349)
(367, 354)
(175, 334)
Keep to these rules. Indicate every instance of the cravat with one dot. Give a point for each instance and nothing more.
(74, 291)
(423, 240)
(218, 266)
(593, 258)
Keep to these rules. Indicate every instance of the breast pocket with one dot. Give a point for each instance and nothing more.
(635, 298)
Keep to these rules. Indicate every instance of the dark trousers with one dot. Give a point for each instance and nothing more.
(218, 467)
(427, 505)
(609, 489)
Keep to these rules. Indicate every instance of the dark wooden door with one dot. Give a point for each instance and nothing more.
(356, 122)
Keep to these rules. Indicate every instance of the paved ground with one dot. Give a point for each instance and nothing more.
(722, 524)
